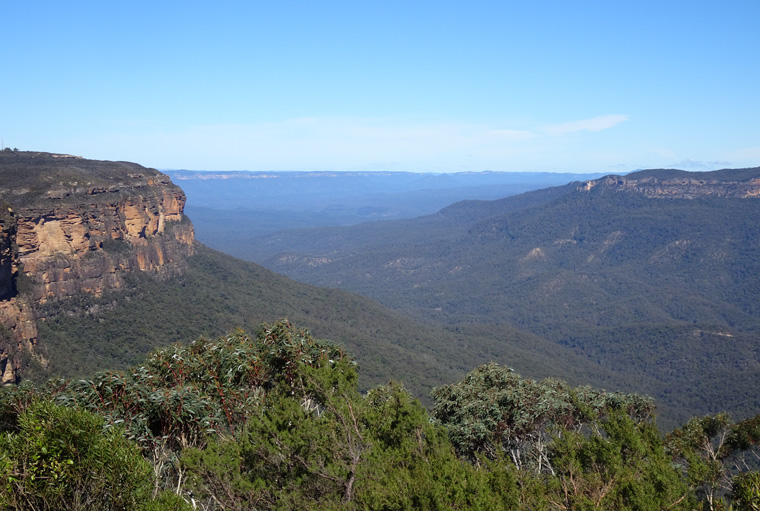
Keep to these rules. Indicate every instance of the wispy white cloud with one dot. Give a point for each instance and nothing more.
(599, 123)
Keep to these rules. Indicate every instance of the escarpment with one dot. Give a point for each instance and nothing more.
(87, 247)
(73, 226)
(679, 184)
(18, 329)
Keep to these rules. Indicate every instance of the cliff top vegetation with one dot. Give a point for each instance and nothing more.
(29, 178)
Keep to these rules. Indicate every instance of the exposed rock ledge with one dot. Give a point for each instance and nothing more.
(71, 249)
(78, 226)
(678, 184)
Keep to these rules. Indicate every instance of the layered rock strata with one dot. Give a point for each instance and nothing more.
(80, 226)
(676, 184)
(87, 247)
(18, 329)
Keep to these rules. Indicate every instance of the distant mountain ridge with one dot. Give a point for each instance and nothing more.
(253, 204)
(671, 183)
(654, 274)
(723, 175)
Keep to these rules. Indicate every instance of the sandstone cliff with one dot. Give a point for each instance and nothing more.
(79, 226)
(678, 184)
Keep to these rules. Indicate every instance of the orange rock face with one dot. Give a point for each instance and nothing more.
(18, 318)
(69, 248)
(79, 226)
(19, 328)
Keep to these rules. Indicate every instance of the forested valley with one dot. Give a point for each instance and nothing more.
(653, 276)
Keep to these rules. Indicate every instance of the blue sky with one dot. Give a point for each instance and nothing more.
(369, 85)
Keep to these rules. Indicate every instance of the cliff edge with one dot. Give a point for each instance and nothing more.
(69, 225)
(680, 184)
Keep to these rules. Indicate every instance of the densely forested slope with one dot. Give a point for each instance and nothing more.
(655, 275)
(219, 293)
(231, 210)
(379, 237)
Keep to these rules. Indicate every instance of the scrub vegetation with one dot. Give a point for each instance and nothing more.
(276, 421)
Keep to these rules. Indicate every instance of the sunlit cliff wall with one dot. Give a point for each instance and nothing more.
(79, 226)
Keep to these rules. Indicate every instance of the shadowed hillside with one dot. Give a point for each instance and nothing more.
(653, 275)
(219, 294)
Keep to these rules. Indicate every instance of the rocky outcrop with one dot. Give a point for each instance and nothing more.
(79, 226)
(18, 338)
(69, 249)
(18, 329)
(733, 183)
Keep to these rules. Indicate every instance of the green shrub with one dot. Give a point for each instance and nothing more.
(63, 459)
(746, 491)
(167, 501)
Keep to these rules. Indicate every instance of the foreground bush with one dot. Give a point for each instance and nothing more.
(62, 459)
(575, 447)
(276, 422)
(317, 443)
